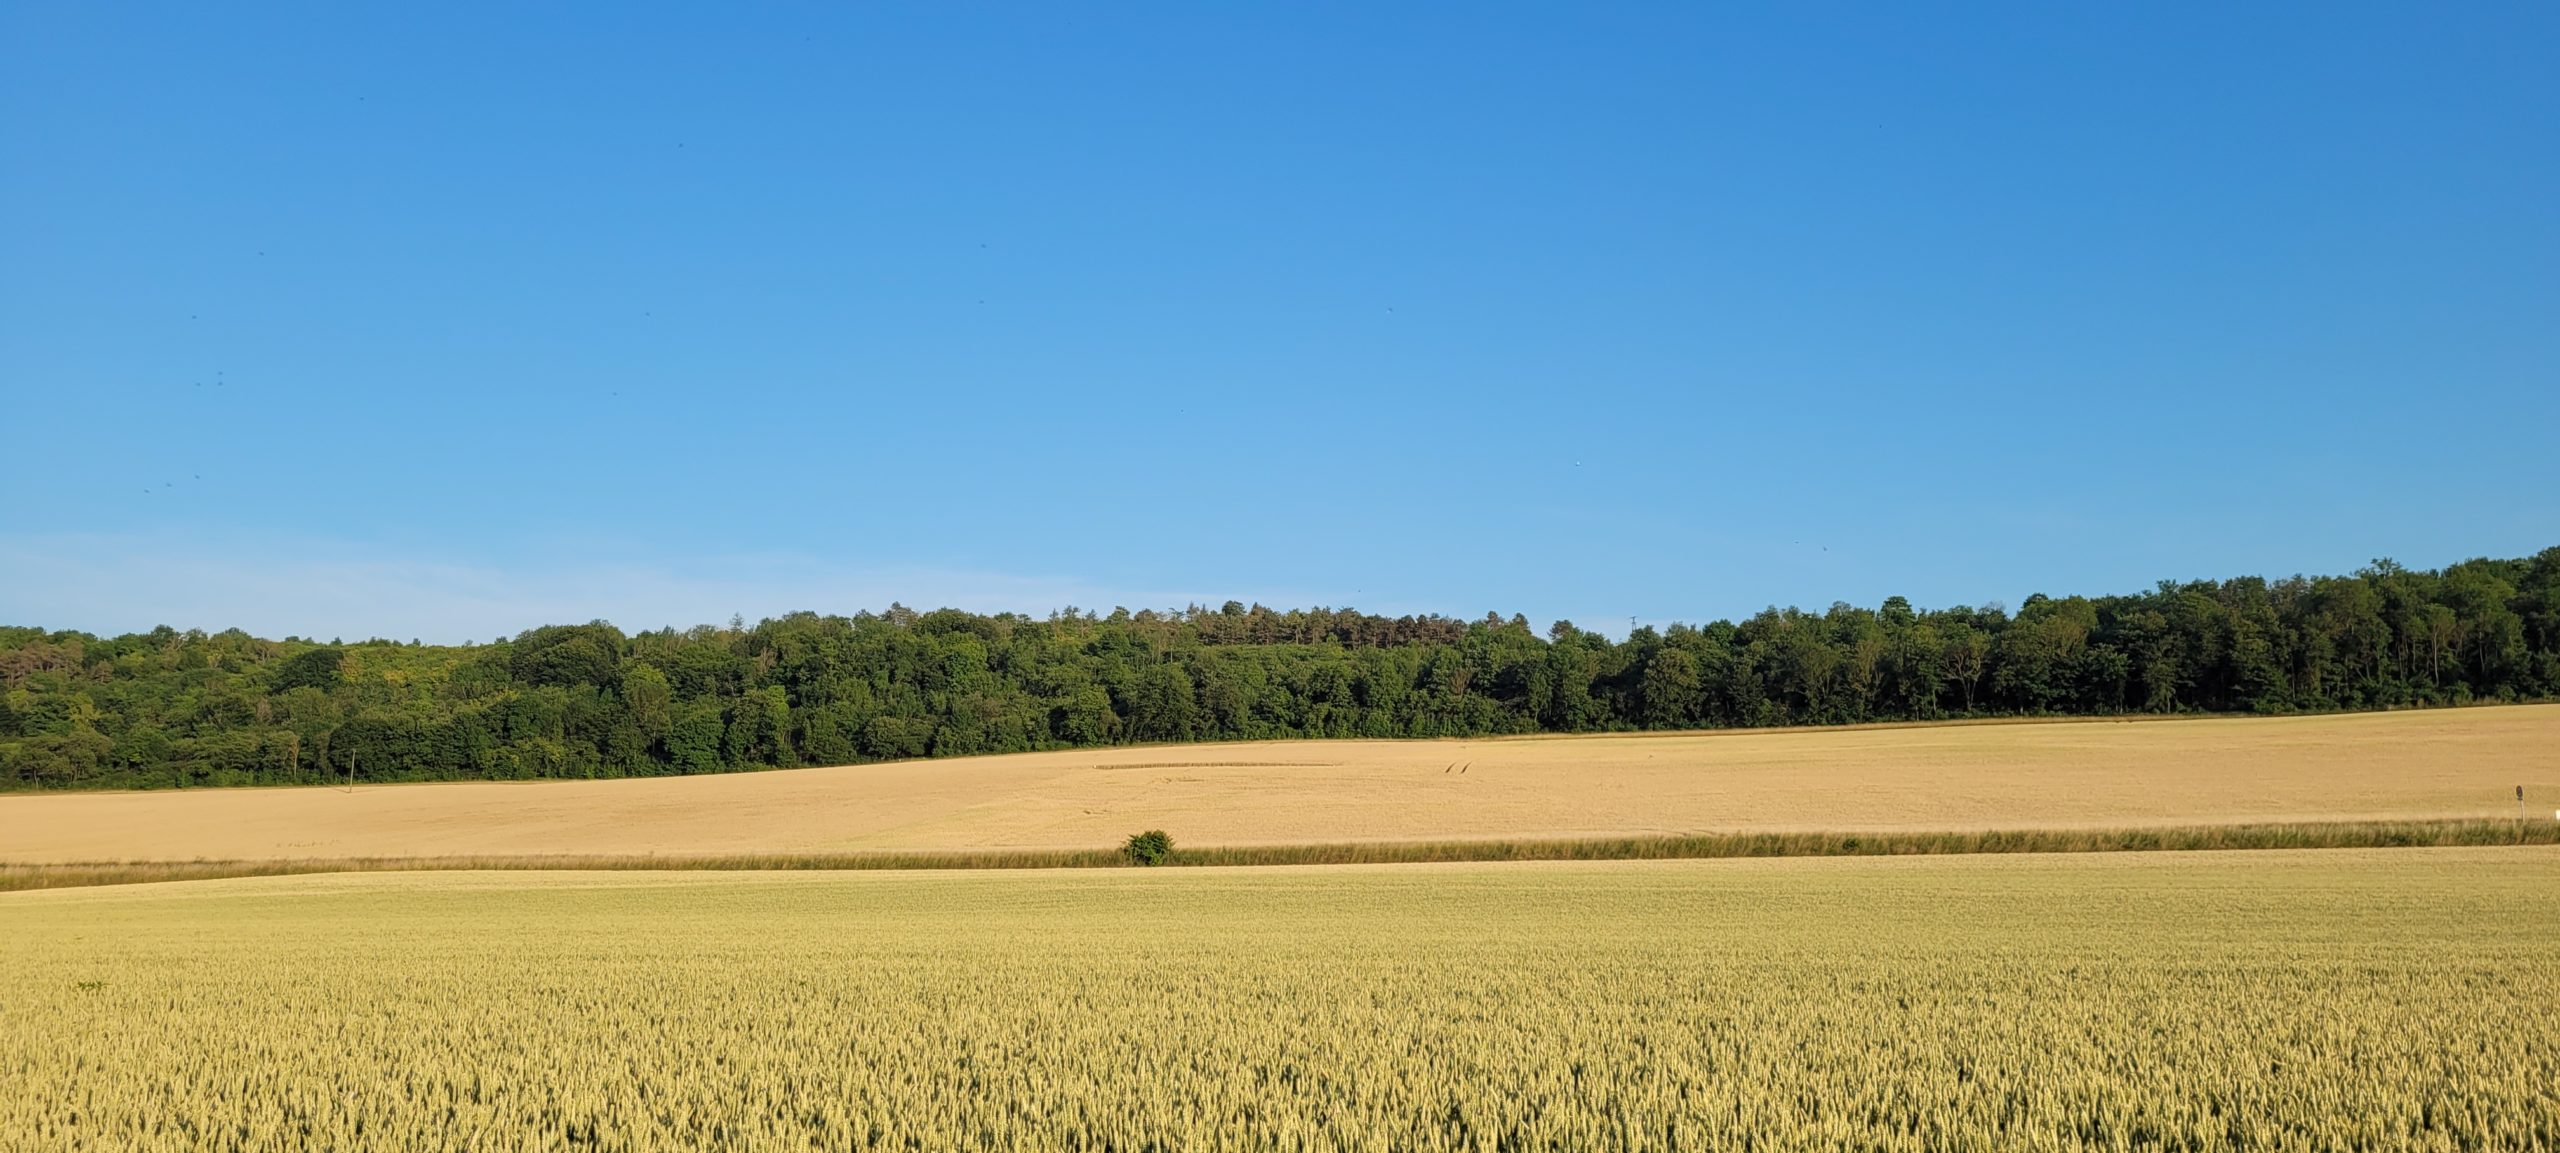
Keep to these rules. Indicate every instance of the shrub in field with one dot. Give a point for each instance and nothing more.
(1148, 848)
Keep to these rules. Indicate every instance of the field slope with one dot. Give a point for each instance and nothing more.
(2067, 775)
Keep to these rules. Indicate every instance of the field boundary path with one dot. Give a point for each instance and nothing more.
(2199, 838)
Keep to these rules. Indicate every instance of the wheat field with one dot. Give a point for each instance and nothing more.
(2087, 774)
(2404, 999)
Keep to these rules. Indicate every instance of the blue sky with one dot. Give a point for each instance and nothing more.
(449, 322)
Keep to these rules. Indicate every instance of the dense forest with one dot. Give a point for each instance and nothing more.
(182, 709)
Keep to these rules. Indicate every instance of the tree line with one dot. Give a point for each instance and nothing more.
(182, 709)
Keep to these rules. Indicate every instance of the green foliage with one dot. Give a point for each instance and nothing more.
(1148, 848)
(320, 669)
(588, 654)
(167, 709)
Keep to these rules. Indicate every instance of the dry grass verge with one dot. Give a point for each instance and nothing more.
(2294, 835)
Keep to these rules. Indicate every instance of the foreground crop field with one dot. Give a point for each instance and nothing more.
(2386, 766)
(2274, 1000)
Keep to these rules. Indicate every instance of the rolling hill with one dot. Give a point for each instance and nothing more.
(2079, 774)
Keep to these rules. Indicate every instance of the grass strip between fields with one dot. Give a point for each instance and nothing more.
(2293, 835)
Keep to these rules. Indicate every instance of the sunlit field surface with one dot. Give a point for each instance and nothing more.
(2268, 1000)
(2444, 763)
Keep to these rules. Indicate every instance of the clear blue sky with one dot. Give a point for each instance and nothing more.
(453, 321)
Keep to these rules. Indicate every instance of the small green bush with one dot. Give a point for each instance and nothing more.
(1148, 848)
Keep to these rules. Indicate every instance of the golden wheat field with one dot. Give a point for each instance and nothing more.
(2443, 763)
(2405, 999)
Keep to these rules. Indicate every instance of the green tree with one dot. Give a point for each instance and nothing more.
(1672, 688)
(321, 668)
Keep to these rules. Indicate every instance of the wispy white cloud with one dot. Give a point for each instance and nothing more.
(120, 583)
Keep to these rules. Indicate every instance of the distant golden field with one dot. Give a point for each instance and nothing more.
(2444, 763)
(2401, 999)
